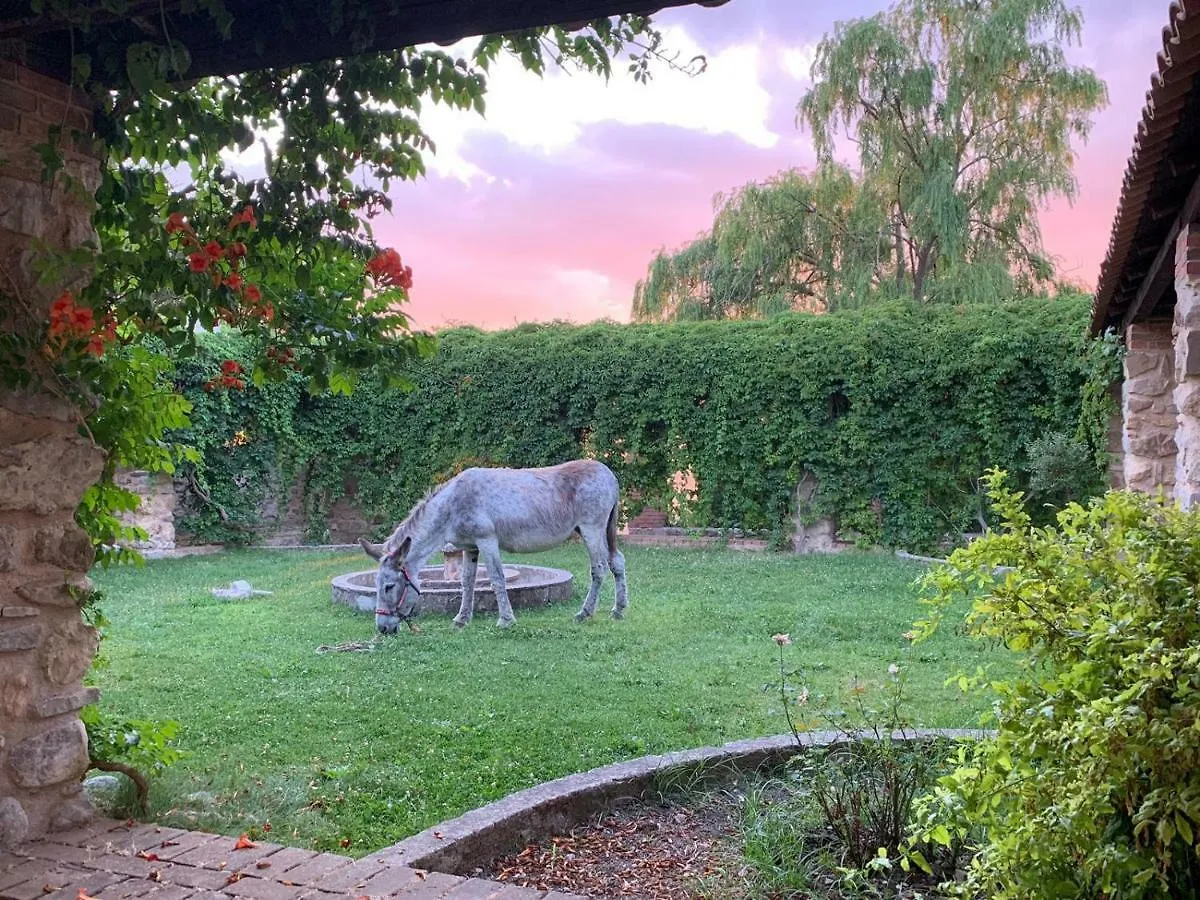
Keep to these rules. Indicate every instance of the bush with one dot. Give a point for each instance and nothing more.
(1091, 785)
(1061, 472)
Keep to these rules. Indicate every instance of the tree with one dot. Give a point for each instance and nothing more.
(285, 255)
(963, 112)
(800, 240)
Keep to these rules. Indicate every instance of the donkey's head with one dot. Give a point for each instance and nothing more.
(396, 590)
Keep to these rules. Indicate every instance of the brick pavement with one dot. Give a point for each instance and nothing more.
(113, 860)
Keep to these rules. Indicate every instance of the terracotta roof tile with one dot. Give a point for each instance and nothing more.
(1155, 184)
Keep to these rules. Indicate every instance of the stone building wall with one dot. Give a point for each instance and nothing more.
(1186, 332)
(1148, 404)
(45, 466)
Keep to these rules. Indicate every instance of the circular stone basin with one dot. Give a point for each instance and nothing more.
(528, 587)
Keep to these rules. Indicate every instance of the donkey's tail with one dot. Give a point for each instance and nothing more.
(611, 533)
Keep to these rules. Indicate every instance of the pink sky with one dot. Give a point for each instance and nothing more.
(552, 206)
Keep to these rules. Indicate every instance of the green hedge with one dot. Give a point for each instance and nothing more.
(896, 410)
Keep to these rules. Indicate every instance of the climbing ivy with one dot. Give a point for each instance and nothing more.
(896, 410)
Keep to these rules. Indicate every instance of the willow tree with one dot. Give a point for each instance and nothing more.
(801, 240)
(963, 113)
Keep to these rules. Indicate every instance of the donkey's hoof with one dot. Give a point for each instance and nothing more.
(618, 614)
(505, 623)
(582, 616)
(459, 625)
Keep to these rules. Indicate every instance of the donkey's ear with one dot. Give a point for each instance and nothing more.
(375, 551)
(401, 552)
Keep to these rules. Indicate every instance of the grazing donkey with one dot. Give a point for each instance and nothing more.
(484, 511)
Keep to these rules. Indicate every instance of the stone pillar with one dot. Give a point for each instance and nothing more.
(45, 466)
(1116, 440)
(1187, 365)
(156, 513)
(1148, 407)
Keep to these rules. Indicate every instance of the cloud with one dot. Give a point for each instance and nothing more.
(595, 291)
(548, 115)
(797, 61)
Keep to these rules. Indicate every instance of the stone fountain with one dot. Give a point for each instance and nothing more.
(529, 587)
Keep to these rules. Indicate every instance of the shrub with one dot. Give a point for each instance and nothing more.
(1091, 785)
(1061, 472)
(837, 818)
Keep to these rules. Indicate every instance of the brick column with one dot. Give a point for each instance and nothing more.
(45, 466)
(1187, 365)
(1147, 407)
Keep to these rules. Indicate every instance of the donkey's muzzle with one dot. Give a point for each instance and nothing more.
(388, 624)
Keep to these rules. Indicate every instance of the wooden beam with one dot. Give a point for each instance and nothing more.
(1182, 168)
(1161, 274)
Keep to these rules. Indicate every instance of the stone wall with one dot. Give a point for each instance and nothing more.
(156, 515)
(649, 527)
(1148, 404)
(45, 466)
(1186, 397)
(284, 520)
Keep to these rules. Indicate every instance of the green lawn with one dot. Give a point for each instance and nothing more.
(372, 747)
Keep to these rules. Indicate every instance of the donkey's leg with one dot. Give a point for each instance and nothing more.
(596, 542)
(616, 562)
(491, 556)
(466, 609)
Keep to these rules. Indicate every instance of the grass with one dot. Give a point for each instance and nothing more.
(358, 750)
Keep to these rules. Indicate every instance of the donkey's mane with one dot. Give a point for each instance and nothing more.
(414, 516)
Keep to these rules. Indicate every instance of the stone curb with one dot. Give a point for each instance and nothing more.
(474, 839)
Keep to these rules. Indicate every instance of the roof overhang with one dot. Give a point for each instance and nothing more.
(288, 32)
(1160, 193)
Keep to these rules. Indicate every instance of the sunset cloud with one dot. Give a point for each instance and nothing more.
(547, 115)
(552, 206)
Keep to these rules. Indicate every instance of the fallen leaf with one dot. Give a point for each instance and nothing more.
(84, 895)
(244, 842)
(262, 864)
(142, 854)
(345, 842)
(438, 835)
(169, 844)
(233, 878)
(266, 827)
(421, 873)
(155, 875)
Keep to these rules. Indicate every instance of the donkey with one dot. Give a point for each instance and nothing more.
(484, 511)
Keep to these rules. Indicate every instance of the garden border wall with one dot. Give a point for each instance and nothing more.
(474, 839)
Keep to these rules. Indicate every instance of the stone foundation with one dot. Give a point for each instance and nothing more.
(45, 466)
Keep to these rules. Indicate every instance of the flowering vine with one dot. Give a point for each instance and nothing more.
(72, 325)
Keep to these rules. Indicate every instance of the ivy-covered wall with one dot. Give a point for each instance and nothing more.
(896, 410)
